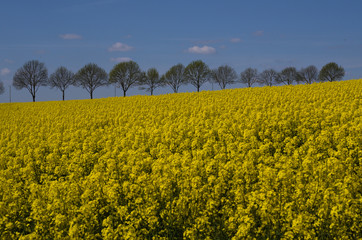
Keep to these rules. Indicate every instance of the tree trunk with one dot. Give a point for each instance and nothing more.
(198, 88)
(151, 91)
(33, 92)
(91, 94)
(124, 93)
(63, 94)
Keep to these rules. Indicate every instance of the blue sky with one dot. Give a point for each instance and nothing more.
(160, 33)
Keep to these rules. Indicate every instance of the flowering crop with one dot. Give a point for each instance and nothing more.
(255, 163)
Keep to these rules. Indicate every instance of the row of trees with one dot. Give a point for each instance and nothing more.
(125, 75)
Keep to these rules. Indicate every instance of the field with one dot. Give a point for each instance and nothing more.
(255, 163)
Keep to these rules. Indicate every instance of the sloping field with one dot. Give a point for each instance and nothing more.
(258, 163)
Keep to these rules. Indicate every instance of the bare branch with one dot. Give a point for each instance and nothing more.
(151, 80)
(224, 75)
(91, 77)
(249, 76)
(125, 75)
(287, 76)
(175, 77)
(331, 72)
(62, 78)
(197, 73)
(307, 75)
(267, 77)
(31, 76)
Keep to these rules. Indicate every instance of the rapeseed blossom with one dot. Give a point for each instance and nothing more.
(255, 163)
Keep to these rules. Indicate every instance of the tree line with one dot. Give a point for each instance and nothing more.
(33, 74)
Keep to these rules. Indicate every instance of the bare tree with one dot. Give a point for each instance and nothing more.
(125, 75)
(91, 77)
(307, 75)
(31, 76)
(287, 76)
(331, 72)
(197, 73)
(2, 89)
(249, 76)
(267, 77)
(223, 75)
(175, 77)
(151, 80)
(62, 78)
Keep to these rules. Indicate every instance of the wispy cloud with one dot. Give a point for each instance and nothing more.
(202, 50)
(70, 36)
(205, 42)
(258, 33)
(121, 59)
(118, 46)
(353, 66)
(4, 71)
(8, 61)
(96, 3)
(40, 52)
(235, 40)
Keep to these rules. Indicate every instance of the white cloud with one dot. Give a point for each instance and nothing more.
(235, 40)
(202, 50)
(121, 59)
(70, 36)
(4, 71)
(118, 46)
(258, 33)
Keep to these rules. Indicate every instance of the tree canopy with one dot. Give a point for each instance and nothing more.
(34, 74)
(31, 76)
(308, 75)
(175, 77)
(249, 76)
(287, 76)
(331, 72)
(62, 78)
(197, 73)
(223, 76)
(268, 77)
(151, 80)
(91, 77)
(125, 75)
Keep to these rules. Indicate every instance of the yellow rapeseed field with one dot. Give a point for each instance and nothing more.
(255, 163)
